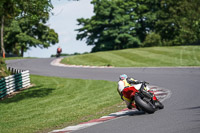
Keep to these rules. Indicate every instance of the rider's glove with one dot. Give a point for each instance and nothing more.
(137, 82)
(130, 80)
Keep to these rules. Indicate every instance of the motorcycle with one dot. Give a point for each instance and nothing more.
(57, 55)
(144, 100)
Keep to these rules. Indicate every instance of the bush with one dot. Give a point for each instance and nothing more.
(3, 69)
(152, 39)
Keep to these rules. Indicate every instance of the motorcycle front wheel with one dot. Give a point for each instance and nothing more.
(159, 105)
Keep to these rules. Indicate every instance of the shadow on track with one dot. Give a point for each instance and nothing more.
(127, 113)
(192, 108)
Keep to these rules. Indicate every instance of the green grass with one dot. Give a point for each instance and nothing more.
(141, 57)
(55, 103)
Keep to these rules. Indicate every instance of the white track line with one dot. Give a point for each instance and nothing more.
(56, 62)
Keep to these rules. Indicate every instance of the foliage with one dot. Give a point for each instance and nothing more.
(111, 27)
(178, 22)
(3, 69)
(26, 27)
(64, 54)
(20, 36)
(119, 24)
(152, 39)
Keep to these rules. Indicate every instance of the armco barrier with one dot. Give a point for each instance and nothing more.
(14, 82)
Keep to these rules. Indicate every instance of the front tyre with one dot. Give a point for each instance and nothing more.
(144, 105)
(159, 105)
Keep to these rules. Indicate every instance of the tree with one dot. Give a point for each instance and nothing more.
(4, 15)
(152, 39)
(119, 24)
(2, 43)
(27, 26)
(178, 22)
(21, 35)
(29, 29)
(112, 26)
(146, 11)
(190, 22)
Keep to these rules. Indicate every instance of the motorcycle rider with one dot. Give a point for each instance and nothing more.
(59, 51)
(124, 85)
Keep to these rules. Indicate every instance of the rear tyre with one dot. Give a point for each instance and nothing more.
(144, 105)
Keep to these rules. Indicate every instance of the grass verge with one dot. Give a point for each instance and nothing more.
(141, 57)
(55, 103)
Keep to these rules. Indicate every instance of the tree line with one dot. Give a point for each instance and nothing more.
(120, 24)
(116, 24)
(23, 25)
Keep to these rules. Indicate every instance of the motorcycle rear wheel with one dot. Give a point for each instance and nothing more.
(144, 105)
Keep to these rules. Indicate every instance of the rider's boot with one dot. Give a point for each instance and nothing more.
(130, 106)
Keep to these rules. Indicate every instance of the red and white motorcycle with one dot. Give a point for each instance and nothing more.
(144, 100)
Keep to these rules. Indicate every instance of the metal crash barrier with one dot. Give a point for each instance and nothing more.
(14, 82)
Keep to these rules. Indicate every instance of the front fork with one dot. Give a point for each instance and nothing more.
(149, 98)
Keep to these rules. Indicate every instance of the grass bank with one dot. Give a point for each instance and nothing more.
(141, 57)
(55, 103)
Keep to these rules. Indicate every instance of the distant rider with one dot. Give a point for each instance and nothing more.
(59, 51)
(123, 88)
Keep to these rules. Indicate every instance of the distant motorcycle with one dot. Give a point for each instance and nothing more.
(144, 100)
(59, 51)
(58, 55)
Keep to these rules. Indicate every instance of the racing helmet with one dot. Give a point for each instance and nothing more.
(123, 76)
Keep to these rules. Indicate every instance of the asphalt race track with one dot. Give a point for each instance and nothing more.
(180, 115)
